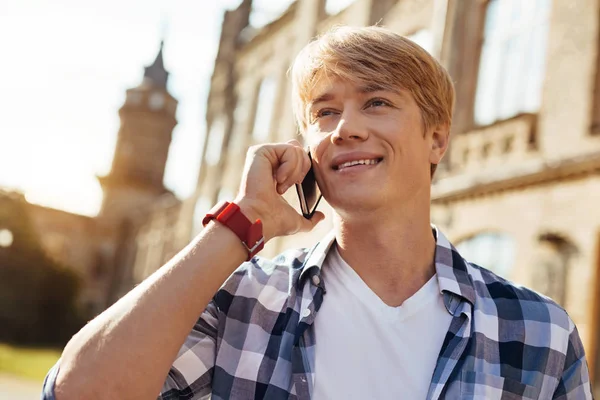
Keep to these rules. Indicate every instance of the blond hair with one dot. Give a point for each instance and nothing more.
(374, 54)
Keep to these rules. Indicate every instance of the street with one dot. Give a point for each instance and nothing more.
(15, 388)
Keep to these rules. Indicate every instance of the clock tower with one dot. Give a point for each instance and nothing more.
(135, 180)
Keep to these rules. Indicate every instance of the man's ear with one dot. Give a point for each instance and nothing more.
(440, 139)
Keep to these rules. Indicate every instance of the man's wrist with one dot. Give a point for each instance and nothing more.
(226, 235)
(253, 210)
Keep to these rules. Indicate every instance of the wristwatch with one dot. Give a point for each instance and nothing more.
(230, 215)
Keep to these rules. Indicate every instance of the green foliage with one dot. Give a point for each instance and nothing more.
(30, 363)
(37, 295)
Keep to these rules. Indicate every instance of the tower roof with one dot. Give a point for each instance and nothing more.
(156, 72)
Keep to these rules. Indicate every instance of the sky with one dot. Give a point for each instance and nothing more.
(64, 69)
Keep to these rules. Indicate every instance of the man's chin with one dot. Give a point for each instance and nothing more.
(359, 203)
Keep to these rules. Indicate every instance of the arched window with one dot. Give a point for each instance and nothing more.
(492, 250)
(553, 257)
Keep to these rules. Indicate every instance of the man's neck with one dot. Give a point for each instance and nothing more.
(393, 253)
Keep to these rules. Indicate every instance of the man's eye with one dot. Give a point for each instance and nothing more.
(324, 113)
(377, 103)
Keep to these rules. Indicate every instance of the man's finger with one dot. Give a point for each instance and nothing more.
(297, 175)
(294, 142)
(287, 164)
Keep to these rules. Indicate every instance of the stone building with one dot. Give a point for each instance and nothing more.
(519, 190)
(109, 251)
(134, 190)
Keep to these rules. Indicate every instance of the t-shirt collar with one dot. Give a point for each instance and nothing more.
(450, 267)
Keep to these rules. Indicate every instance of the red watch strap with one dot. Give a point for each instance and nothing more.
(230, 215)
(214, 212)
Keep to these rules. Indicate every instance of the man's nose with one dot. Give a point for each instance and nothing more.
(349, 127)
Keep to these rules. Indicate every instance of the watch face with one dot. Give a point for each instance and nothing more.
(156, 102)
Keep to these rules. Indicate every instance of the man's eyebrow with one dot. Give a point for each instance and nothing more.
(375, 87)
(320, 99)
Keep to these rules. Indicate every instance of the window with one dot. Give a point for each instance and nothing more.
(513, 58)
(215, 141)
(203, 205)
(242, 109)
(494, 251)
(239, 135)
(264, 109)
(553, 258)
(423, 38)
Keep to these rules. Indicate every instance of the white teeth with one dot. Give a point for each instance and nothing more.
(356, 162)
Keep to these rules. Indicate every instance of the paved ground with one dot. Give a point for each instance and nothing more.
(14, 388)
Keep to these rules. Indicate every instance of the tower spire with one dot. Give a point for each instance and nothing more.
(156, 73)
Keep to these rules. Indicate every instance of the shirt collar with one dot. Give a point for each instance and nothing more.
(451, 269)
(316, 255)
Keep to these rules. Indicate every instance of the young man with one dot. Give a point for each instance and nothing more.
(383, 307)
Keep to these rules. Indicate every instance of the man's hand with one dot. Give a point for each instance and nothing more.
(270, 170)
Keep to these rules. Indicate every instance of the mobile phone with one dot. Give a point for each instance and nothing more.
(309, 194)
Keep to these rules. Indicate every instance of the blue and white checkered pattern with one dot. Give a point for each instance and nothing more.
(256, 338)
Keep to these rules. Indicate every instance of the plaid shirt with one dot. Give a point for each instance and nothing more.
(256, 339)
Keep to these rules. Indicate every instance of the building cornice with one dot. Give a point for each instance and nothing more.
(531, 173)
(251, 37)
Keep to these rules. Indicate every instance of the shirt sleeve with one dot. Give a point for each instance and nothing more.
(190, 375)
(575, 380)
(49, 381)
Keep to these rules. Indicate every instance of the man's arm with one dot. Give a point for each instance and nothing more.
(126, 352)
(574, 383)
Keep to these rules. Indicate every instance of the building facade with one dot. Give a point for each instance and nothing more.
(522, 172)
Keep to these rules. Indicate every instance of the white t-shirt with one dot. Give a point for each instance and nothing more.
(366, 349)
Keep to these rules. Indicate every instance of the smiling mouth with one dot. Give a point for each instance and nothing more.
(354, 163)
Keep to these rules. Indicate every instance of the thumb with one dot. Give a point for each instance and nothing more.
(309, 224)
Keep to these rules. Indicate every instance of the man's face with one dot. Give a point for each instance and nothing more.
(369, 147)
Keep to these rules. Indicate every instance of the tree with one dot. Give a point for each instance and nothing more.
(37, 294)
